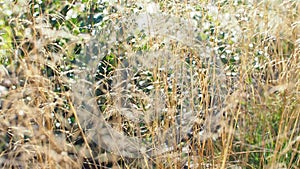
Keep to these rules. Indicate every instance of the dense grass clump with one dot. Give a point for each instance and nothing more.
(149, 84)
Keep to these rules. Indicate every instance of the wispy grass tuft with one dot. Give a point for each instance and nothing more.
(150, 84)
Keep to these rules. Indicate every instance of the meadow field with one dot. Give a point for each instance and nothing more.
(150, 84)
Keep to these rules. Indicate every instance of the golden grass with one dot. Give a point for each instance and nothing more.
(242, 55)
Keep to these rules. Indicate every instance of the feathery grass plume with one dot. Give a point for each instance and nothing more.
(149, 72)
(144, 84)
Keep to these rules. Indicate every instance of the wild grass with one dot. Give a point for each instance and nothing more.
(156, 84)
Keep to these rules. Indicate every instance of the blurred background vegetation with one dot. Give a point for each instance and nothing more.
(43, 44)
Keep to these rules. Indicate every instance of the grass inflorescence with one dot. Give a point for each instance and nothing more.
(150, 84)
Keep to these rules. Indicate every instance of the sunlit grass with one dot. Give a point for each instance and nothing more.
(235, 63)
